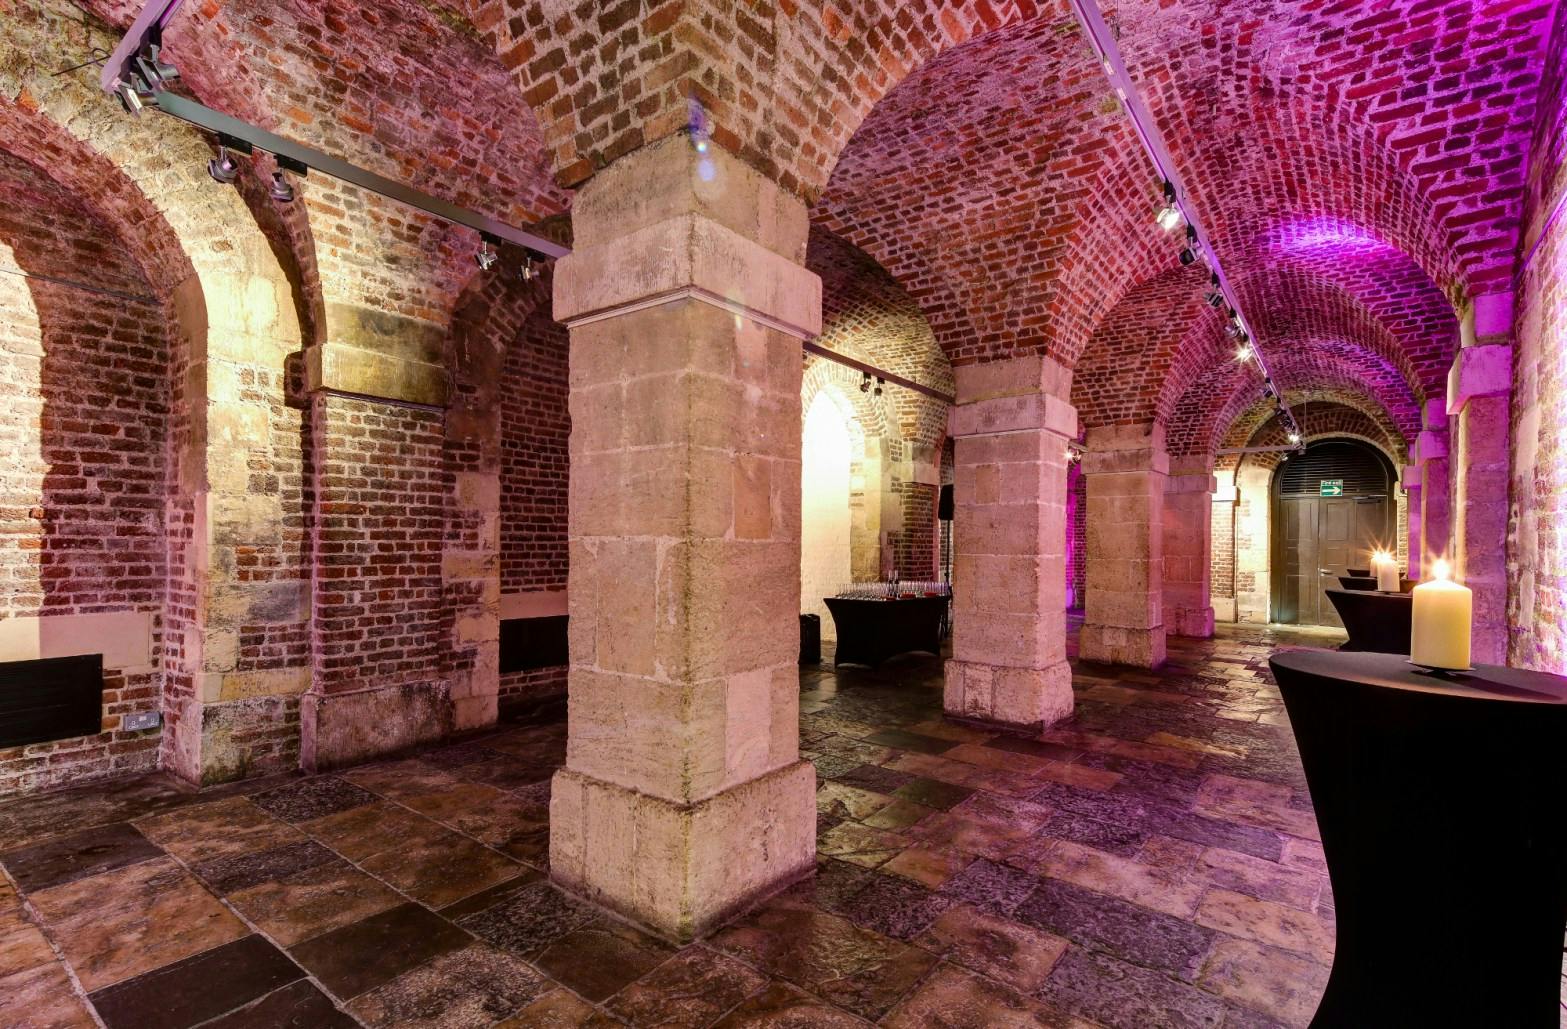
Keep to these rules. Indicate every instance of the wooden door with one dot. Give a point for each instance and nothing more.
(1298, 591)
(1320, 539)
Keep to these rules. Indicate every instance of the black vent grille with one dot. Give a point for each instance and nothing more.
(1363, 471)
(52, 698)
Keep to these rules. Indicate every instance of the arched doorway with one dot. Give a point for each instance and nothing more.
(1332, 508)
(825, 519)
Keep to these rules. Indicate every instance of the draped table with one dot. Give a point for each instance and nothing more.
(1377, 622)
(871, 631)
(1442, 805)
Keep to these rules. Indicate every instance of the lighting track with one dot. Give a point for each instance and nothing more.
(1114, 66)
(136, 75)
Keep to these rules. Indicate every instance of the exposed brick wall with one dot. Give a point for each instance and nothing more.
(534, 433)
(84, 429)
(1077, 533)
(535, 428)
(1221, 580)
(1537, 572)
(380, 522)
(914, 547)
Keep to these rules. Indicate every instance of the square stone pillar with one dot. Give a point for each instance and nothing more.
(1188, 543)
(1430, 455)
(1411, 481)
(1126, 468)
(1012, 424)
(683, 798)
(1479, 396)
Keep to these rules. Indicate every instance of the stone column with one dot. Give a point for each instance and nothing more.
(1411, 480)
(683, 798)
(1188, 543)
(1012, 424)
(380, 639)
(1430, 455)
(1479, 396)
(1126, 469)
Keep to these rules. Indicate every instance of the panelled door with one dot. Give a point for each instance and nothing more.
(1319, 538)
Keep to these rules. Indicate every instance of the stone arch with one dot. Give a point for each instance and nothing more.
(232, 681)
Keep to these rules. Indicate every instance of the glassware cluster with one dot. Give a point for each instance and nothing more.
(900, 590)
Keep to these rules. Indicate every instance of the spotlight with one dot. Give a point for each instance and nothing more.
(879, 383)
(1188, 256)
(865, 382)
(528, 269)
(1243, 353)
(281, 189)
(1170, 217)
(1294, 439)
(1215, 300)
(486, 257)
(223, 168)
(1269, 392)
(1232, 330)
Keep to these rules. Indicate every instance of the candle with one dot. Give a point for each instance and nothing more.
(1440, 634)
(1386, 571)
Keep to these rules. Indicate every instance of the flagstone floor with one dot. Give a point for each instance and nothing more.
(1152, 863)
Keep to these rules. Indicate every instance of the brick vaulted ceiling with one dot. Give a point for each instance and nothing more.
(1359, 163)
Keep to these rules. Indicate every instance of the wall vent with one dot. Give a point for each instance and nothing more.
(52, 698)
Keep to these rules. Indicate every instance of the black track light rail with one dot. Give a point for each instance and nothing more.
(135, 74)
(872, 370)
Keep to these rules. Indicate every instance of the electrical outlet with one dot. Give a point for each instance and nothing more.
(141, 720)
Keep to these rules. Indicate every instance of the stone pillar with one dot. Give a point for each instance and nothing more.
(1188, 546)
(1479, 396)
(1123, 617)
(378, 393)
(1430, 455)
(1012, 424)
(1412, 509)
(683, 798)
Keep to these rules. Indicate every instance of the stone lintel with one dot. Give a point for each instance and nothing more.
(1485, 371)
(1019, 413)
(1026, 698)
(682, 869)
(1014, 377)
(338, 729)
(688, 257)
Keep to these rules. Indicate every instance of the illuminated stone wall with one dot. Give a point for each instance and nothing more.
(1537, 545)
(84, 432)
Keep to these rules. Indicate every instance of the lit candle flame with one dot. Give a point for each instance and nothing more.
(1381, 556)
(1441, 569)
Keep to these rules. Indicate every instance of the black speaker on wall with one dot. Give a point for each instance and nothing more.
(944, 505)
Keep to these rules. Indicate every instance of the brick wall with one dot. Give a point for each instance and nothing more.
(380, 520)
(1077, 533)
(535, 430)
(84, 426)
(914, 546)
(1537, 558)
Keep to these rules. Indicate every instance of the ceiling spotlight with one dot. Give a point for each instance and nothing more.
(529, 270)
(1232, 330)
(865, 382)
(1170, 217)
(281, 189)
(223, 168)
(1188, 256)
(1294, 438)
(1214, 300)
(486, 257)
(1243, 353)
(1269, 392)
(879, 383)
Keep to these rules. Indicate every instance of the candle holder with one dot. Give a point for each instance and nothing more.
(1437, 672)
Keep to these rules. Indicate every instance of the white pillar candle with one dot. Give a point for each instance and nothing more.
(1386, 571)
(1442, 620)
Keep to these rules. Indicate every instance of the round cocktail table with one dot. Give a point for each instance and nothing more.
(1443, 810)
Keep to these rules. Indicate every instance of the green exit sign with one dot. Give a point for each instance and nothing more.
(1332, 487)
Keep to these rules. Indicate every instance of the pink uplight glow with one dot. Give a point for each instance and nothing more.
(1325, 236)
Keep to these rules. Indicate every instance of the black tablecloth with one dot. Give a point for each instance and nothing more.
(1441, 807)
(1376, 622)
(871, 631)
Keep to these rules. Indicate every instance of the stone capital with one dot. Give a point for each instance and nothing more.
(1410, 477)
(1482, 371)
(687, 257)
(1036, 411)
(1015, 377)
(1191, 483)
(1126, 448)
(1430, 445)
